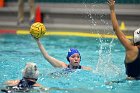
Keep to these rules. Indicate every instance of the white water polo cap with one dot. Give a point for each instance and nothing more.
(30, 71)
(137, 36)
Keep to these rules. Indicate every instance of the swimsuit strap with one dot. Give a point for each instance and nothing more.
(75, 67)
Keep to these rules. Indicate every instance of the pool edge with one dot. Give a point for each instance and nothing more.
(63, 33)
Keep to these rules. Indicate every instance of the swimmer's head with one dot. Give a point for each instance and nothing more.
(137, 37)
(30, 71)
(72, 51)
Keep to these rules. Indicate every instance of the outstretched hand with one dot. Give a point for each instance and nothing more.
(111, 4)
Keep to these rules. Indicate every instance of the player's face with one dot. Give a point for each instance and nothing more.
(74, 59)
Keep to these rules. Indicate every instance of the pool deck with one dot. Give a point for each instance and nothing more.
(65, 19)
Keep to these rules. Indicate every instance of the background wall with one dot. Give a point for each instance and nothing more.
(84, 1)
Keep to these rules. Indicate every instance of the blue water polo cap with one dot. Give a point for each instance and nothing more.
(71, 52)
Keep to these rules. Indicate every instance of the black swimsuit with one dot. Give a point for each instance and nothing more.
(133, 68)
(65, 71)
(23, 86)
(75, 67)
(24, 83)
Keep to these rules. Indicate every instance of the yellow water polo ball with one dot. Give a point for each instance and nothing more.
(37, 30)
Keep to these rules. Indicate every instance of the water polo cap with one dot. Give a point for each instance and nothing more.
(30, 71)
(71, 52)
(137, 37)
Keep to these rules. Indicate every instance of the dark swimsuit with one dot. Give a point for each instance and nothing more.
(75, 67)
(23, 86)
(65, 71)
(68, 69)
(133, 68)
(25, 83)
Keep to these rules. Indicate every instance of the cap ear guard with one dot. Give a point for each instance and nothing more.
(136, 39)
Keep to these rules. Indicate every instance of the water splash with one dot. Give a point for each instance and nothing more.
(92, 17)
(105, 66)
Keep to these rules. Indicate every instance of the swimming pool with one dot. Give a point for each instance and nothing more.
(104, 55)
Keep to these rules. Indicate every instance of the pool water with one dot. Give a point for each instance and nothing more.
(105, 56)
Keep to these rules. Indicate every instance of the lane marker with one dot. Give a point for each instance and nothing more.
(62, 33)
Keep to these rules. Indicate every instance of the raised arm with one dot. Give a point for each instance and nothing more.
(54, 62)
(125, 42)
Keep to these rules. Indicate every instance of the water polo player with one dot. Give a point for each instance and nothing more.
(132, 51)
(30, 76)
(73, 57)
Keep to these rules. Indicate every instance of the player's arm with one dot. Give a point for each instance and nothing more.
(86, 68)
(12, 82)
(54, 62)
(125, 42)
